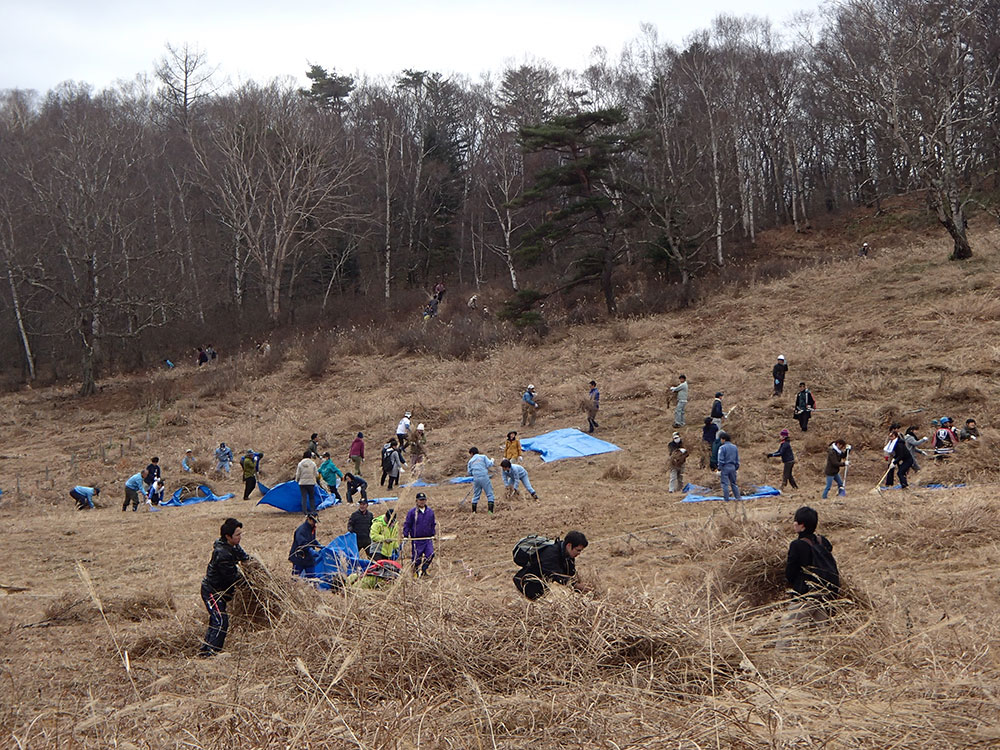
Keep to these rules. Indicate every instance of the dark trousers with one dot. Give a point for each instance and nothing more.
(218, 621)
(803, 418)
(786, 475)
(308, 501)
(529, 584)
(249, 484)
(385, 475)
(131, 496)
(779, 387)
(393, 481)
(81, 500)
(902, 469)
(403, 442)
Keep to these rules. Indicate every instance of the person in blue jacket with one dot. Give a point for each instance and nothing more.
(514, 473)
(302, 556)
(154, 495)
(188, 461)
(84, 496)
(479, 469)
(528, 406)
(133, 486)
(729, 463)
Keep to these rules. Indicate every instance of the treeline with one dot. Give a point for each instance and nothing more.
(170, 210)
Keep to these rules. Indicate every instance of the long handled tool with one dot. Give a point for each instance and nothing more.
(877, 490)
(847, 464)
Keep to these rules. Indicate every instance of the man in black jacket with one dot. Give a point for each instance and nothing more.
(787, 460)
(804, 405)
(221, 579)
(812, 574)
(360, 524)
(554, 563)
(778, 374)
(303, 545)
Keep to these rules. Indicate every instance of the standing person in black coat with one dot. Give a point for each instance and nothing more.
(787, 460)
(360, 524)
(717, 415)
(778, 374)
(899, 456)
(811, 572)
(220, 582)
(804, 405)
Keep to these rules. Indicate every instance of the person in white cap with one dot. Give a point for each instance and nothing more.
(778, 372)
(528, 406)
(678, 455)
(187, 463)
(403, 431)
(418, 445)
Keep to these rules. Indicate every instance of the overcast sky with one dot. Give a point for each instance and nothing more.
(45, 42)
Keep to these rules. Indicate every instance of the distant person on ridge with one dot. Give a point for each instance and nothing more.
(778, 373)
(528, 407)
(787, 457)
(863, 250)
(804, 405)
(680, 392)
(593, 404)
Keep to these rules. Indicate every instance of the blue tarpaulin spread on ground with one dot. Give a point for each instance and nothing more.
(420, 483)
(567, 443)
(205, 495)
(931, 486)
(460, 480)
(698, 494)
(286, 497)
(338, 559)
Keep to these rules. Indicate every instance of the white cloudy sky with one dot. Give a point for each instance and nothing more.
(45, 42)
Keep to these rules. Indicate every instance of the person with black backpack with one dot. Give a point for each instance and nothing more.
(544, 560)
(811, 572)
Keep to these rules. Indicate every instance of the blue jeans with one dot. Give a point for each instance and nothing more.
(480, 484)
(728, 476)
(829, 484)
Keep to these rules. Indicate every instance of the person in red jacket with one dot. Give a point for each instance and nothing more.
(357, 453)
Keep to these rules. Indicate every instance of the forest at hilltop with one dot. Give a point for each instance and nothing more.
(173, 211)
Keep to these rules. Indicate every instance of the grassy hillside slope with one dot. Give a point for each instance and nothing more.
(676, 646)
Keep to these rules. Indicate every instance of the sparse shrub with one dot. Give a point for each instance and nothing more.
(617, 471)
(317, 356)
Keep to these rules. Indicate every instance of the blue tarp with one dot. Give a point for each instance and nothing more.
(932, 486)
(338, 559)
(697, 494)
(567, 443)
(205, 495)
(460, 480)
(421, 483)
(286, 497)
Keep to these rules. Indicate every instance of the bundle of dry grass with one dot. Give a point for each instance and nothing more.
(266, 595)
(617, 471)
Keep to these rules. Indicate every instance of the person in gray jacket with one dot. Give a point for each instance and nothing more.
(681, 391)
(912, 442)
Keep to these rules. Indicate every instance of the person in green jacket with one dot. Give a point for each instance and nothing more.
(331, 474)
(385, 536)
(249, 464)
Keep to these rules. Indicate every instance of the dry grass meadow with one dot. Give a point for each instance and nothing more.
(100, 616)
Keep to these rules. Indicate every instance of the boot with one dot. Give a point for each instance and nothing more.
(489, 506)
(473, 507)
(842, 492)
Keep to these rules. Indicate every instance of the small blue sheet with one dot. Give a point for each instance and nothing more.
(286, 497)
(698, 494)
(567, 443)
(205, 495)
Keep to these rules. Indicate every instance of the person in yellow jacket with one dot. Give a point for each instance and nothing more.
(512, 450)
(385, 534)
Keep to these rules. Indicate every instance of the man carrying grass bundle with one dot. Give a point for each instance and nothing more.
(221, 579)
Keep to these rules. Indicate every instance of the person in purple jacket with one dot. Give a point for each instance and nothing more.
(419, 527)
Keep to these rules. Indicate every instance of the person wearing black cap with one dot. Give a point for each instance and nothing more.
(593, 404)
(420, 528)
(304, 546)
(360, 524)
(717, 414)
(804, 405)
